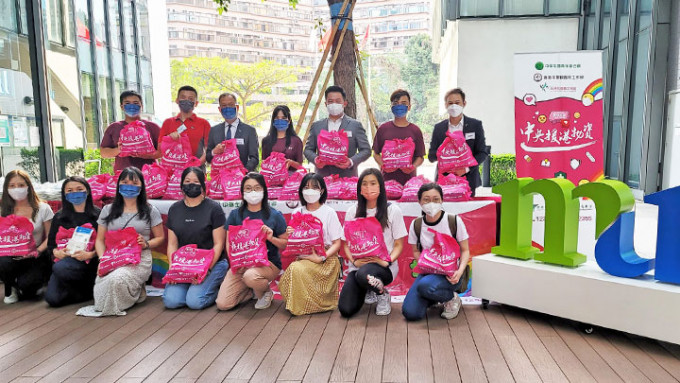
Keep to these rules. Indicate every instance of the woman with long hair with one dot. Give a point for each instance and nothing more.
(24, 276)
(254, 282)
(196, 220)
(123, 287)
(282, 138)
(73, 274)
(368, 277)
(310, 284)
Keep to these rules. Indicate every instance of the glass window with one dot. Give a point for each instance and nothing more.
(143, 29)
(129, 27)
(114, 24)
(90, 107)
(102, 61)
(99, 25)
(65, 104)
(557, 7)
(117, 64)
(148, 100)
(637, 107)
(606, 23)
(53, 20)
(19, 134)
(118, 88)
(132, 69)
(83, 38)
(474, 8)
(8, 10)
(146, 72)
(104, 101)
(523, 7)
(618, 83)
(589, 30)
(644, 12)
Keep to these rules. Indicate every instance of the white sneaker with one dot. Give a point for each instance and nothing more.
(384, 306)
(371, 297)
(452, 307)
(265, 301)
(14, 298)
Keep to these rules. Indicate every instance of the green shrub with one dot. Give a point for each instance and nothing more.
(502, 168)
(92, 168)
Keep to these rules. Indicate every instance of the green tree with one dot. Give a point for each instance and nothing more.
(421, 78)
(215, 75)
(346, 64)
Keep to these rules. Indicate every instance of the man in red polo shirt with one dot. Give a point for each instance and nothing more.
(187, 121)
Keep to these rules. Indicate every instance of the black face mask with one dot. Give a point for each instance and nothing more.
(192, 190)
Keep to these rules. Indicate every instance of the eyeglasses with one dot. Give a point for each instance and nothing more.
(248, 189)
(406, 103)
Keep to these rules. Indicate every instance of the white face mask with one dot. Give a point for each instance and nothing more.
(18, 194)
(455, 110)
(335, 109)
(253, 197)
(311, 195)
(432, 208)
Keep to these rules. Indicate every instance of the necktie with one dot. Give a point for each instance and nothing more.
(229, 132)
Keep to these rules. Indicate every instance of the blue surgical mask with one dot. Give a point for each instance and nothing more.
(399, 110)
(228, 112)
(132, 110)
(281, 125)
(76, 198)
(129, 191)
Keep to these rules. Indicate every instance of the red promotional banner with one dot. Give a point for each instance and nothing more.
(559, 116)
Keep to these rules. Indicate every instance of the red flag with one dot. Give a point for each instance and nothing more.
(325, 40)
(364, 41)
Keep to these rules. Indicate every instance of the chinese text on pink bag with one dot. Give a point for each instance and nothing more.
(135, 140)
(398, 153)
(16, 237)
(122, 249)
(333, 146)
(442, 258)
(274, 169)
(307, 236)
(247, 245)
(189, 265)
(365, 239)
(454, 153)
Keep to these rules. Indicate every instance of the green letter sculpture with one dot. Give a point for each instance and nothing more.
(611, 198)
(561, 221)
(516, 220)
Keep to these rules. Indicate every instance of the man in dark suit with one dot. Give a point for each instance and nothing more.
(232, 128)
(358, 150)
(472, 130)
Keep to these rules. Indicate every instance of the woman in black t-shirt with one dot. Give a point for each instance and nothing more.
(200, 221)
(73, 275)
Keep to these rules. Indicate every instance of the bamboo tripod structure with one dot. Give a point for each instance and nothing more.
(359, 76)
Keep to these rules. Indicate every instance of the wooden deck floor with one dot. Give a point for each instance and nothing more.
(501, 344)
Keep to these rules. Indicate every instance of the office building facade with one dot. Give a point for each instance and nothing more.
(63, 64)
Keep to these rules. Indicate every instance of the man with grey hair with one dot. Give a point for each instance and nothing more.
(232, 128)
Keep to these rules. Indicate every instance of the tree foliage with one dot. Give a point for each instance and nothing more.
(214, 76)
(223, 5)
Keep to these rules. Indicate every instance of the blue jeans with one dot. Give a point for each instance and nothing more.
(427, 290)
(199, 296)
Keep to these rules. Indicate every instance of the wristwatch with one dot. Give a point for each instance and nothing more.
(323, 258)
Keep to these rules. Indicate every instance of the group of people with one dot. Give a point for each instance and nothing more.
(310, 283)
(207, 142)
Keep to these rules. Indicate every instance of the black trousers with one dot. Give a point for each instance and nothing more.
(72, 281)
(26, 274)
(356, 285)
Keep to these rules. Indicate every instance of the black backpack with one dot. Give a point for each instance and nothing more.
(453, 226)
